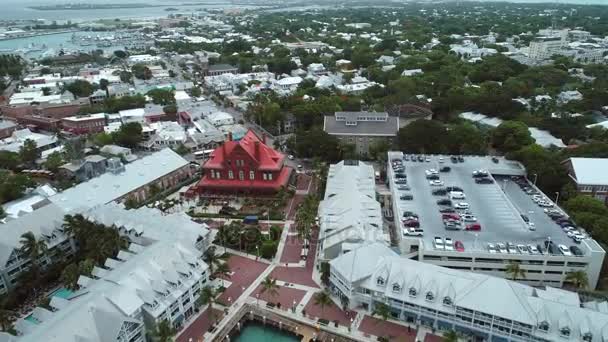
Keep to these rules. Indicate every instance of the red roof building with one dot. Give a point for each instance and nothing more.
(247, 166)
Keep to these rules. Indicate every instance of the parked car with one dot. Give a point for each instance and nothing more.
(445, 169)
(459, 246)
(495, 160)
(420, 158)
(531, 226)
(444, 201)
(449, 245)
(484, 181)
(438, 242)
(406, 157)
(411, 223)
(461, 159)
(401, 181)
(411, 231)
(461, 205)
(454, 159)
(400, 175)
(564, 250)
(469, 218)
(439, 192)
(410, 214)
(406, 197)
(427, 159)
(522, 249)
(452, 225)
(432, 177)
(431, 172)
(403, 188)
(454, 188)
(480, 173)
(452, 216)
(576, 251)
(447, 210)
(457, 195)
(511, 248)
(436, 183)
(502, 248)
(492, 248)
(473, 227)
(525, 218)
(532, 249)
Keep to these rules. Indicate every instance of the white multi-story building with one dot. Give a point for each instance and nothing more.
(503, 211)
(349, 214)
(479, 306)
(159, 277)
(545, 47)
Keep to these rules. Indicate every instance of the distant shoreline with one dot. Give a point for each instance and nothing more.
(79, 7)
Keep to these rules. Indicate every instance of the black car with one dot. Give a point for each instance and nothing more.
(432, 177)
(420, 158)
(440, 192)
(454, 159)
(461, 159)
(444, 201)
(406, 157)
(406, 197)
(445, 169)
(453, 188)
(447, 210)
(484, 181)
(525, 218)
(576, 251)
(403, 187)
(400, 175)
(401, 181)
(409, 214)
(495, 160)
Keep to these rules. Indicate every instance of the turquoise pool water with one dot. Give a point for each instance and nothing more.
(256, 332)
(30, 318)
(62, 293)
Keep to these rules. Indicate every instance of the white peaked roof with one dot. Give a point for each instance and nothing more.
(100, 308)
(587, 171)
(482, 293)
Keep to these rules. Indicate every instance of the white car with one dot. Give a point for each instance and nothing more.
(502, 248)
(531, 226)
(436, 183)
(413, 231)
(533, 249)
(491, 248)
(564, 250)
(571, 233)
(431, 172)
(461, 205)
(438, 242)
(441, 160)
(457, 195)
(290, 157)
(522, 249)
(449, 245)
(427, 159)
(469, 218)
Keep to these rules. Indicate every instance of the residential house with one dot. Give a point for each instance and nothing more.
(588, 178)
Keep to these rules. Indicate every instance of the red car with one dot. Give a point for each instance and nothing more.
(459, 246)
(452, 216)
(474, 226)
(411, 223)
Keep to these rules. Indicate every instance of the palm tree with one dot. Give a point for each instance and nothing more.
(450, 336)
(207, 297)
(222, 270)
(578, 279)
(322, 299)
(32, 247)
(270, 285)
(69, 276)
(515, 271)
(381, 310)
(211, 259)
(163, 332)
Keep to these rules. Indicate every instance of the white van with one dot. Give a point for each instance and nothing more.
(457, 195)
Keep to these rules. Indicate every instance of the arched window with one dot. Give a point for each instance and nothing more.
(588, 337)
(447, 301)
(430, 296)
(380, 281)
(544, 326)
(565, 331)
(413, 292)
(396, 288)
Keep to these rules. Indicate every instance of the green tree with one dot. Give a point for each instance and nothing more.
(102, 139)
(269, 285)
(69, 276)
(163, 332)
(325, 272)
(32, 247)
(207, 297)
(223, 270)
(511, 136)
(196, 92)
(141, 71)
(103, 84)
(323, 300)
(129, 135)
(162, 97)
(54, 161)
(422, 136)
(515, 271)
(9, 160)
(450, 336)
(268, 249)
(382, 310)
(28, 152)
(12, 186)
(80, 88)
(578, 279)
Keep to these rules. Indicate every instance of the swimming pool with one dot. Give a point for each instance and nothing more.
(258, 332)
(62, 293)
(30, 318)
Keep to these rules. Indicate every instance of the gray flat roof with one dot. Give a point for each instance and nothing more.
(497, 207)
(381, 128)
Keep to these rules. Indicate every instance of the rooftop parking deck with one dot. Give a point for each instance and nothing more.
(497, 207)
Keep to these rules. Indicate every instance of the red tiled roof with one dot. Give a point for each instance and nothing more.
(226, 184)
(265, 157)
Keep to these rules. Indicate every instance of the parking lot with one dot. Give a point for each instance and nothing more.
(497, 207)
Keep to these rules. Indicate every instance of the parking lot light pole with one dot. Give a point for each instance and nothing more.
(535, 178)
(556, 197)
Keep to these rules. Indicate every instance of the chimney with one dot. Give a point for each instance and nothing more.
(257, 150)
(264, 138)
(229, 136)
